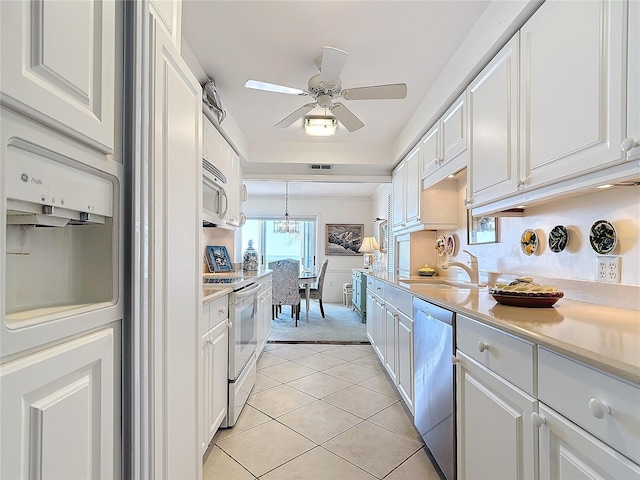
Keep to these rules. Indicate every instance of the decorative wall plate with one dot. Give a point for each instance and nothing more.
(603, 237)
(529, 242)
(441, 244)
(558, 238)
(450, 245)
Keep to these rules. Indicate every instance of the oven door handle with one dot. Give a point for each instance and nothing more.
(247, 293)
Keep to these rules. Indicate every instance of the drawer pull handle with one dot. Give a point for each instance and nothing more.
(598, 409)
(537, 420)
(482, 346)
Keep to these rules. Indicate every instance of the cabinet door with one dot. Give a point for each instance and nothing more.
(572, 65)
(567, 451)
(493, 133)
(210, 140)
(413, 188)
(370, 308)
(59, 418)
(390, 341)
(496, 438)
(377, 316)
(398, 183)
(633, 80)
(219, 349)
(430, 149)
(404, 366)
(175, 258)
(454, 132)
(168, 14)
(59, 66)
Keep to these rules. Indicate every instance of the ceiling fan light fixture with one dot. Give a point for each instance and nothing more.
(320, 127)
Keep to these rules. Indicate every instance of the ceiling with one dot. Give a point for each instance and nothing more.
(279, 42)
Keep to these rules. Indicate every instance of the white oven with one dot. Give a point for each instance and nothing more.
(214, 197)
(243, 340)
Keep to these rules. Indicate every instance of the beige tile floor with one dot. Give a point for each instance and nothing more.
(320, 411)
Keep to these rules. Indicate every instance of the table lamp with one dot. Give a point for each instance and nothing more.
(369, 245)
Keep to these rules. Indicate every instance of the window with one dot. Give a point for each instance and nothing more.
(277, 246)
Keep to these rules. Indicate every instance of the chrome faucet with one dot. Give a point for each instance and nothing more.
(471, 269)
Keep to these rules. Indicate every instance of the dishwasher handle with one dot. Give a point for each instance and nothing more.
(433, 311)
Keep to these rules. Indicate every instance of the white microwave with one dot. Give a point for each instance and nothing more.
(214, 197)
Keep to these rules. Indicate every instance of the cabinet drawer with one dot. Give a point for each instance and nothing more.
(219, 310)
(508, 356)
(400, 299)
(583, 394)
(375, 286)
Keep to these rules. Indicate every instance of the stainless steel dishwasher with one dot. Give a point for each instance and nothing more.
(434, 382)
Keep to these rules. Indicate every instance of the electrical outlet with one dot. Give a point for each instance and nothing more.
(608, 268)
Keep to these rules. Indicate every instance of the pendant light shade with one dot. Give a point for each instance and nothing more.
(286, 224)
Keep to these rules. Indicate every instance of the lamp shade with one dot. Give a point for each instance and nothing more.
(369, 244)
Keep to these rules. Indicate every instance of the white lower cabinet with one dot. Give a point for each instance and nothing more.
(214, 349)
(60, 418)
(582, 423)
(390, 330)
(567, 451)
(404, 363)
(264, 312)
(495, 437)
(391, 320)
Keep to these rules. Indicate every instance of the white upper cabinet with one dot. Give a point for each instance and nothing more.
(168, 14)
(58, 66)
(493, 128)
(443, 146)
(406, 191)
(572, 68)
(633, 84)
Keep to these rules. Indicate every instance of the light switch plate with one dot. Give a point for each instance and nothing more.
(608, 268)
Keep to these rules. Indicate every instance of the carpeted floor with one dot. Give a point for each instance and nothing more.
(340, 325)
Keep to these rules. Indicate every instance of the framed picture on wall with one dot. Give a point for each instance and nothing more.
(343, 239)
(383, 231)
(481, 229)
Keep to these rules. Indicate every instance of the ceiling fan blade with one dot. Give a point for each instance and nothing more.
(292, 117)
(376, 92)
(346, 117)
(271, 87)
(331, 66)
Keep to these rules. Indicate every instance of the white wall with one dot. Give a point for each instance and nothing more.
(327, 210)
(577, 262)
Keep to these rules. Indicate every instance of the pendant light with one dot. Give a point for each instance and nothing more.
(286, 224)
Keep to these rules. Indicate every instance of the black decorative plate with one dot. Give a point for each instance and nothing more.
(603, 237)
(558, 238)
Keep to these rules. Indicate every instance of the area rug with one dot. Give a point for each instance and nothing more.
(340, 325)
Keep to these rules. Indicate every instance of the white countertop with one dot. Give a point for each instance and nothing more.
(605, 337)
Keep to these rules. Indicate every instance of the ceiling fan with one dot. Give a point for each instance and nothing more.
(326, 87)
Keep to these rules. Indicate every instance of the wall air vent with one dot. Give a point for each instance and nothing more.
(318, 166)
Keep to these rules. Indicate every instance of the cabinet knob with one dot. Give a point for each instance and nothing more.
(519, 183)
(482, 346)
(537, 420)
(628, 143)
(222, 310)
(598, 409)
(455, 360)
(210, 341)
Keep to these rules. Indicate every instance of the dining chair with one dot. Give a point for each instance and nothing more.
(316, 293)
(285, 287)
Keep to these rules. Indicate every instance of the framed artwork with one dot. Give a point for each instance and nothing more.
(218, 259)
(481, 229)
(343, 239)
(383, 231)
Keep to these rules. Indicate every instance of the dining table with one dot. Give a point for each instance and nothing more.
(306, 279)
